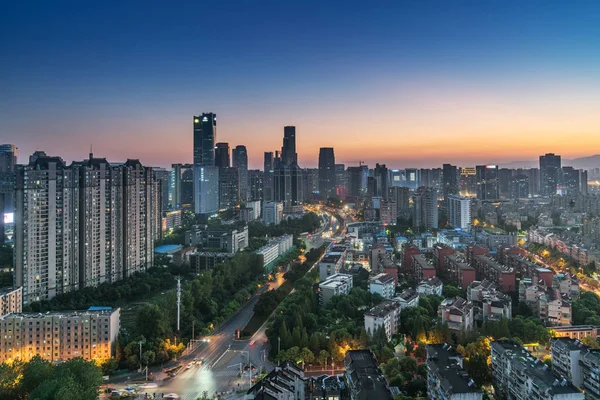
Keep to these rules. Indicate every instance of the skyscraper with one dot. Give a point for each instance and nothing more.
(550, 165)
(240, 161)
(206, 189)
(182, 186)
(288, 151)
(255, 184)
(326, 172)
(162, 176)
(381, 177)
(268, 176)
(287, 183)
(487, 182)
(229, 188)
(222, 157)
(449, 180)
(357, 180)
(341, 180)
(83, 224)
(205, 137)
(8, 157)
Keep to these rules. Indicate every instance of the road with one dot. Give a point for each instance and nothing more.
(222, 354)
(222, 351)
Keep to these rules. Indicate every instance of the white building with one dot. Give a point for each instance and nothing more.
(457, 313)
(383, 284)
(270, 252)
(272, 213)
(206, 189)
(459, 212)
(284, 243)
(408, 298)
(386, 315)
(334, 286)
(255, 206)
(431, 285)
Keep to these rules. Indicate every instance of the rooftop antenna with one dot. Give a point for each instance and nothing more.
(91, 152)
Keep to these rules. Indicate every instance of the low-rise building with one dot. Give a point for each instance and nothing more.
(516, 374)
(457, 313)
(489, 304)
(203, 260)
(330, 265)
(365, 381)
(408, 298)
(488, 268)
(383, 284)
(285, 382)
(430, 286)
(60, 336)
(458, 271)
(270, 252)
(446, 378)
(386, 315)
(421, 268)
(590, 365)
(577, 331)
(11, 301)
(336, 285)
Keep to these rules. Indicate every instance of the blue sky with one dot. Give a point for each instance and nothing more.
(385, 81)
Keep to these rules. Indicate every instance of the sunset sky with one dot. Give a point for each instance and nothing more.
(407, 83)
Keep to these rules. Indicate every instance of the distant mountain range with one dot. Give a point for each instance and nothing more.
(579, 163)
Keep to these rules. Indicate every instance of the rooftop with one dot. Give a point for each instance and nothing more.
(167, 248)
(445, 362)
(532, 367)
(433, 281)
(105, 311)
(408, 294)
(336, 280)
(364, 377)
(383, 309)
(382, 278)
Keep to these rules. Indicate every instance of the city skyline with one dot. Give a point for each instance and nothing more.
(399, 84)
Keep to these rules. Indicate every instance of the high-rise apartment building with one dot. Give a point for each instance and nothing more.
(326, 172)
(487, 182)
(288, 150)
(83, 224)
(550, 165)
(425, 208)
(222, 156)
(205, 137)
(206, 189)
(240, 161)
(459, 212)
(468, 182)
(8, 162)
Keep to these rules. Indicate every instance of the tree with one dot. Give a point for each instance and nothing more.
(36, 371)
(109, 366)
(322, 358)
(590, 342)
(307, 356)
(451, 291)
